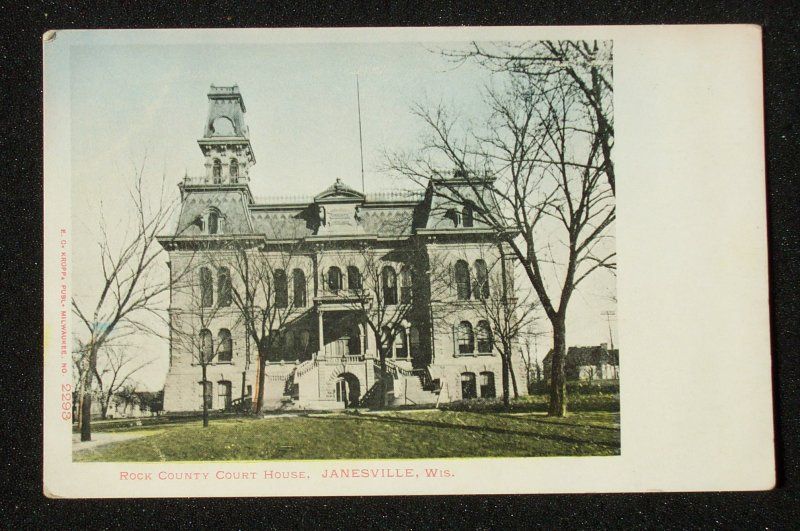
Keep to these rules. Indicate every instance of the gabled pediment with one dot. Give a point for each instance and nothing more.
(339, 192)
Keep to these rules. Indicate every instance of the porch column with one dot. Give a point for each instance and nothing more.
(321, 350)
(364, 338)
(407, 328)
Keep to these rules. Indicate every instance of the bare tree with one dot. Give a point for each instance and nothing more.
(260, 293)
(117, 369)
(79, 367)
(388, 289)
(587, 64)
(507, 311)
(530, 358)
(127, 397)
(379, 297)
(191, 332)
(131, 282)
(534, 173)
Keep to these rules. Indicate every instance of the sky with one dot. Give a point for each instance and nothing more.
(133, 102)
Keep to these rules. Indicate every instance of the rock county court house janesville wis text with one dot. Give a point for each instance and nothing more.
(319, 285)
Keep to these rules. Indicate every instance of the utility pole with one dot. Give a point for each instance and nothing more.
(608, 315)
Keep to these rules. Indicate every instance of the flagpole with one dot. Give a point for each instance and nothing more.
(360, 138)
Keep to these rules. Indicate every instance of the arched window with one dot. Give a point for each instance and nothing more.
(234, 170)
(354, 341)
(466, 340)
(281, 289)
(206, 288)
(213, 222)
(224, 297)
(484, 333)
(334, 279)
(353, 278)
(453, 215)
(462, 280)
(414, 342)
(487, 385)
(225, 345)
(481, 290)
(468, 386)
(386, 340)
(405, 286)
(216, 171)
(467, 216)
(206, 346)
(401, 344)
(299, 288)
(389, 285)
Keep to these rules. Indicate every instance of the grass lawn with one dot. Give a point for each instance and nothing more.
(366, 435)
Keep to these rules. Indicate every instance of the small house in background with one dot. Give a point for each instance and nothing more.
(587, 363)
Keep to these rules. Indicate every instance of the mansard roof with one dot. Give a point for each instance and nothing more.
(298, 221)
(231, 204)
(395, 214)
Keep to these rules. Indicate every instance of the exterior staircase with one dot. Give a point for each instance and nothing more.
(412, 386)
(291, 387)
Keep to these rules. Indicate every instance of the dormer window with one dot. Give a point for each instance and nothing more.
(216, 171)
(467, 216)
(453, 215)
(234, 170)
(213, 222)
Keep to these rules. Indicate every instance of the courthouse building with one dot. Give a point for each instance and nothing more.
(343, 265)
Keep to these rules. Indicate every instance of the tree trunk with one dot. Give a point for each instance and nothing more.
(262, 369)
(205, 402)
(86, 400)
(104, 407)
(506, 355)
(558, 380)
(382, 401)
(504, 360)
(513, 376)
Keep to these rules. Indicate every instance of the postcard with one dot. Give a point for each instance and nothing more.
(398, 261)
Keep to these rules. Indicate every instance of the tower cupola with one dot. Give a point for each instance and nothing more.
(226, 138)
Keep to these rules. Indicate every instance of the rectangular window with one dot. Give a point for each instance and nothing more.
(487, 385)
(224, 395)
(468, 386)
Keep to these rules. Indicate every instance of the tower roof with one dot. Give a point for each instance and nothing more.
(231, 92)
(225, 114)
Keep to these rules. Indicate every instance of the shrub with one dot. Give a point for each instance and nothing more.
(536, 403)
(578, 387)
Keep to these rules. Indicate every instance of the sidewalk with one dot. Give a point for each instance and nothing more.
(101, 438)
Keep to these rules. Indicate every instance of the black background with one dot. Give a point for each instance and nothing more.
(21, 127)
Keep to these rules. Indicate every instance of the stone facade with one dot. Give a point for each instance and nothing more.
(347, 272)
